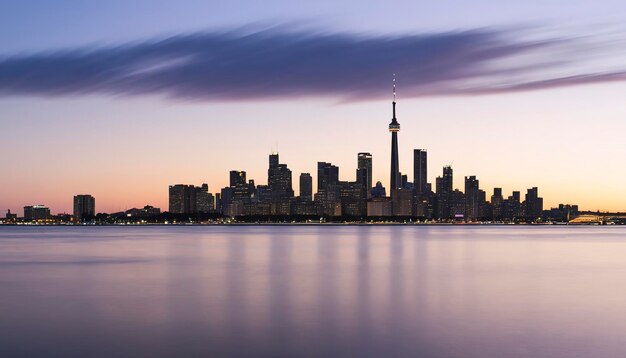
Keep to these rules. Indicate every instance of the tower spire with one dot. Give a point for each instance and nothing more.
(393, 120)
(394, 87)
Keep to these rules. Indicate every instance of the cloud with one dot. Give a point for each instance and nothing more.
(278, 63)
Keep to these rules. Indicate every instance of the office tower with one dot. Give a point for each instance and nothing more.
(365, 164)
(177, 199)
(327, 196)
(444, 194)
(394, 128)
(511, 207)
(237, 178)
(189, 199)
(84, 207)
(279, 181)
(497, 202)
(353, 197)
(273, 160)
(402, 201)
(218, 202)
(182, 199)
(327, 175)
(533, 204)
(261, 201)
(420, 177)
(379, 190)
(36, 212)
(306, 187)
(379, 206)
(204, 199)
(457, 205)
(472, 198)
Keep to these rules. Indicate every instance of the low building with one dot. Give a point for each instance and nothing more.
(36, 212)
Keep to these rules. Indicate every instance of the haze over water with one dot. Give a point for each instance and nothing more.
(428, 291)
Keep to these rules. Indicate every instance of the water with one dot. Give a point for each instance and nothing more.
(427, 291)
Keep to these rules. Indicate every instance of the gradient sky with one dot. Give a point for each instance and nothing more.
(112, 98)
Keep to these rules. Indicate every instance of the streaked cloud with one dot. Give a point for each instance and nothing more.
(238, 65)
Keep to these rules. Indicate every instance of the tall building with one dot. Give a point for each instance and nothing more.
(279, 181)
(533, 204)
(402, 202)
(365, 165)
(84, 207)
(472, 198)
(420, 176)
(394, 128)
(204, 200)
(181, 199)
(497, 201)
(189, 199)
(36, 212)
(237, 178)
(306, 187)
(444, 194)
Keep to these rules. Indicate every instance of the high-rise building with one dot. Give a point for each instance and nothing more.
(365, 165)
(472, 198)
(189, 199)
(204, 200)
(420, 177)
(36, 212)
(394, 128)
(306, 187)
(444, 194)
(497, 201)
(279, 181)
(533, 204)
(237, 178)
(402, 202)
(84, 207)
(182, 199)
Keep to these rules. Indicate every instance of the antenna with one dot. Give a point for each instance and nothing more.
(394, 87)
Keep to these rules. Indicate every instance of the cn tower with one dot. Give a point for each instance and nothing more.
(394, 128)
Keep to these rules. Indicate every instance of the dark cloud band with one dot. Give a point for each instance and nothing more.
(281, 63)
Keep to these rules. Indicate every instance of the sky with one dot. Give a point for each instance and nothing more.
(121, 99)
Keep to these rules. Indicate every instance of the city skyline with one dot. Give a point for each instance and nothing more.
(357, 199)
(104, 110)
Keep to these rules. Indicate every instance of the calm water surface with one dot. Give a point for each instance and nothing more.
(420, 291)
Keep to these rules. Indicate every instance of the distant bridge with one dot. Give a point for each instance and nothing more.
(599, 219)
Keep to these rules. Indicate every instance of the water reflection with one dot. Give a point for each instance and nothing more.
(435, 291)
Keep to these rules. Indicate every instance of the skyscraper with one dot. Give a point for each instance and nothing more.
(365, 164)
(533, 204)
(444, 194)
(189, 199)
(84, 207)
(306, 187)
(327, 196)
(237, 178)
(394, 128)
(420, 177)
(497, 203)
(472, 198)
(279, 181)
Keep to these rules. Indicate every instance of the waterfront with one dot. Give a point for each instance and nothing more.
(428, 291)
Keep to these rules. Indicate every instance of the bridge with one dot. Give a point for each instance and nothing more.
(600, 219)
